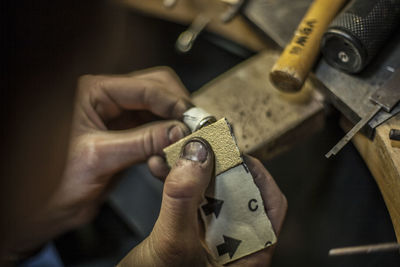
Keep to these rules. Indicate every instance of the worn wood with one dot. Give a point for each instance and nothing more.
(237, 30)
(299, 56)
(245, 96)
(348, 93)
(383, 160)
(278, 19)
(265, 121)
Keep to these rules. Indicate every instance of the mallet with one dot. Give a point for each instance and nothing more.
(290, 71)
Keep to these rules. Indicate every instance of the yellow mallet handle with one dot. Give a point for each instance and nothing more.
(290, 71)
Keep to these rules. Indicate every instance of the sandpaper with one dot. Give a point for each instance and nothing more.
(235, 220)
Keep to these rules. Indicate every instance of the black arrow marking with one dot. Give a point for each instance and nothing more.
(213, 206)
(229, 246)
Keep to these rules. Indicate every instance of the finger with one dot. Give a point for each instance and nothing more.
(275, 202)
(113, 151)
(109, 96)
(174, 240)
(184, 189)
(158, 167)
(165, 75)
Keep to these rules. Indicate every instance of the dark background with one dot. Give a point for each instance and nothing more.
(332, 203)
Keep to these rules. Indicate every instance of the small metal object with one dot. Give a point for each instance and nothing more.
(196, 118)
(385, 98)
(186, 39)
(383, 116)
(389, 95)
(394, 134)
(352, 132)
(367, 249)
(343, 57)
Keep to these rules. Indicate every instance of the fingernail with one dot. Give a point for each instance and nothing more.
(176, 133)
(195, 150)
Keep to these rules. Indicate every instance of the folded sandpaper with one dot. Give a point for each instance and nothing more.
(233, 212)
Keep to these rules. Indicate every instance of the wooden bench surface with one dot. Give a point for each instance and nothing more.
(267, 122)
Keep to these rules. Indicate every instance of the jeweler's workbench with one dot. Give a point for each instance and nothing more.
(266, 121)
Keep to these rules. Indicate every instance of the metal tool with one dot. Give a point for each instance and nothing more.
(293, 66)
(367, 249)
(279, 19)
(383, 116)
(186, 39)
(394, 134)
(385, 98)
(357, 34)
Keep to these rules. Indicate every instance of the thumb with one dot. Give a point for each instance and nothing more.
(175, 239)
(184, 189)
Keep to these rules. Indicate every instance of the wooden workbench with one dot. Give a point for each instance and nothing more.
(383, 161)
(237, 30)
(262, 129)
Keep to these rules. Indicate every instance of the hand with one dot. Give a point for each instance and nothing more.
(108, 135)
(176, 239)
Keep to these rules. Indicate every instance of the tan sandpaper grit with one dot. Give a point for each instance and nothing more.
(238, 225)
(219, 136)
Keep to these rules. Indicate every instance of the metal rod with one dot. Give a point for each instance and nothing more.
(352, 132)
(186, 39)
(367, 249)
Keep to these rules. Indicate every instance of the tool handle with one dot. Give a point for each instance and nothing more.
(290, 71)
(358, 33)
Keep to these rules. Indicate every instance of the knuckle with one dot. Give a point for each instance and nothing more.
(149, 90)
(86, 77)
(181, 186)
(166, 70)
(89, 81)
(149, 142)
(85, 80)
(165, 73)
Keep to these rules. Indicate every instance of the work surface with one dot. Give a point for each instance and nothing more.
(332, 203)
(384, 162)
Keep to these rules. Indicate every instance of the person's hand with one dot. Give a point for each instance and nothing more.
(109, 134)
(177, 239)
